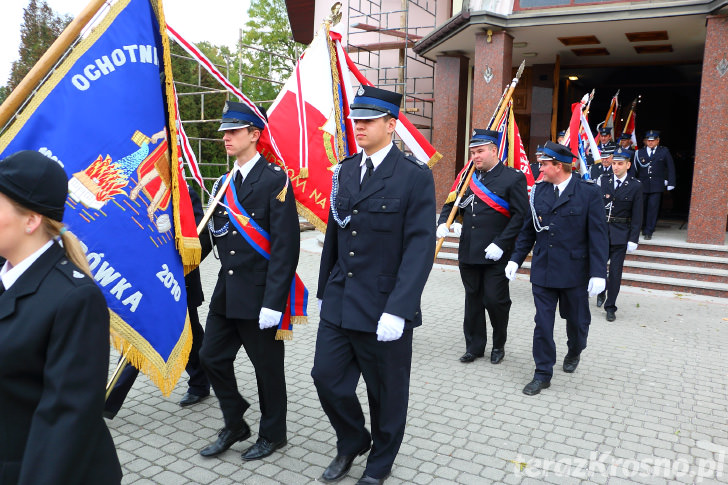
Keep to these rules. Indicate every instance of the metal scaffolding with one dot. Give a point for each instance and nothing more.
(381, 35)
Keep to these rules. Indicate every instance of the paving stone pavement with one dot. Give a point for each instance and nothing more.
(646, 405)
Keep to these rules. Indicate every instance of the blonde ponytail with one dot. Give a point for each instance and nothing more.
(70, 242)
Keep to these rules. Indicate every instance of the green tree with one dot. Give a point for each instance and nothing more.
(40, 28)
(267, 29)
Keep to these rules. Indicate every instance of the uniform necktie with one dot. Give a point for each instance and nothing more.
(556, 191)
(238, 181)
(368, 172)
(619, 184)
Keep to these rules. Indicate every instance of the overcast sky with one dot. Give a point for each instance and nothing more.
(216, 21)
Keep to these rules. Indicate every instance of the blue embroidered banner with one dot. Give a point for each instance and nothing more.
(101, 115)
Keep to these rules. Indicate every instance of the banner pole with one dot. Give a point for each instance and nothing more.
(117, 373)
(47, 61)
(500, 108)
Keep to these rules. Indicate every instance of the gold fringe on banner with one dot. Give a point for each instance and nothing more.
(451, 197)
(144, 357)
(191, 255)
(303, 173)
(284, 334)
(309, 215)
(299, 320)
(434, 159)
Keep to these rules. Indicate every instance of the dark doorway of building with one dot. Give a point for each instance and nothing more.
(669, 103)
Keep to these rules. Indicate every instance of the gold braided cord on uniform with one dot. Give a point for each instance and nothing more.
(335, 82)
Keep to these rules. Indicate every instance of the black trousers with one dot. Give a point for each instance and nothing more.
(341, 357)
(223, 339)
(650, 210)
(198, 383)
(574, 307)
(486, 288)
(614, 278)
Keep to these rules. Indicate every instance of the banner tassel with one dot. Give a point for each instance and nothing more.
(303, 174)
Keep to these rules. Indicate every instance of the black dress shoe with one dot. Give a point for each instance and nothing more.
(225, 439)
(648, 237)
(190, 399)
(367, 480)
(601, 297)
(340, 466)
(467, 357)
(496, 356)
(570, 363)
(262, 448)
(611, 316)
(534, 387)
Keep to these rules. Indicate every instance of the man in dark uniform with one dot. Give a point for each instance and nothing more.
(605, 140)
(599, 169)
(569, 261)
(377, 255)
(251, 292)
(622, 195)
(493, 211)
(656, 171)
(625, 142)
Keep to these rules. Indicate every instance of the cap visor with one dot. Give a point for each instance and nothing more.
(365, 114)
(232, 126)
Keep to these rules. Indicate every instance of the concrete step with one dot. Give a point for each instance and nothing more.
(692, 260)
(682, 247)
(667, 283)
(715, 275)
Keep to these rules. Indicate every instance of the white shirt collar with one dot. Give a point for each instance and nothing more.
(10, 274)
(248, 166)
(377, 157)
(621, 179)
(563, 185)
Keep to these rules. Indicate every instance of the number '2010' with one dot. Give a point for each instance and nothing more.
(169, 281)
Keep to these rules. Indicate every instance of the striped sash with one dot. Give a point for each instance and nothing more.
(487, 196)
(259, 240)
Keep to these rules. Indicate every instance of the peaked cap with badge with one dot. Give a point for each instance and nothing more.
(622, 154)
(371, 103)
(652, 135)
(557, 152)
(483, 137)
(239, 115)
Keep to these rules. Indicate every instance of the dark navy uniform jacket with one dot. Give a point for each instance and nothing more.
(483, 225)
(654, 171)
(625, 203)
(597, 170)
(576, 246)
(54, 359)
(380, 261)
(247, 281)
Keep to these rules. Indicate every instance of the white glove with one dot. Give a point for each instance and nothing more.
(511, 269)
(493, 252)
(320, 302)
(631, 247)
(390, 327)
(665, 183)
(670, 187)
(268, 318)
(596, 286)
(442, 231)
(456, 228)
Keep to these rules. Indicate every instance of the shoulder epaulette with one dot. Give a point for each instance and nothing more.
(416, 161)
(71, 271)
(348, 158)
